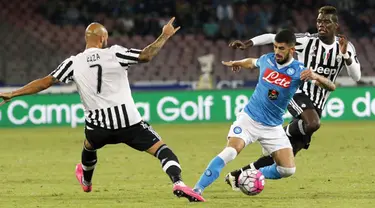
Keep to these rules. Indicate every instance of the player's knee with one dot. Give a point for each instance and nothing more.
(286, 172)
(88, 145)
(236, 143)
(312, 126)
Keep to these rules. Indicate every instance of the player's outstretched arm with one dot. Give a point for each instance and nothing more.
(151, 50)
(29, 89)
(257, 40)
(321, 81)
(248, 63)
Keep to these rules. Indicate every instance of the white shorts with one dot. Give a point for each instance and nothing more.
(272, 138)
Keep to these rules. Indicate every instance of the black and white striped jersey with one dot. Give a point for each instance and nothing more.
(324, 59)
(101, 78)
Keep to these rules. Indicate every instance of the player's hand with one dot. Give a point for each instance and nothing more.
(343, 44)
(233, 64)
(7, 96)
(307, 75)
(168, 29)
(238, 44)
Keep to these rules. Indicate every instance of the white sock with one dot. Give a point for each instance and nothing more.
(180, 183)
(228, 154)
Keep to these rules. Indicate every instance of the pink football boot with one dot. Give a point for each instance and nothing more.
(181, 190)
(79, 176)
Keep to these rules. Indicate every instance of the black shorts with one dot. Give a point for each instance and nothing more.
(299, 103)
(140, 136)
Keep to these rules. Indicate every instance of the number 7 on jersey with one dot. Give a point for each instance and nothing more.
(99, 86)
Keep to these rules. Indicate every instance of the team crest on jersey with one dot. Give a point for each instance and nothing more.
(326, 55)
(237, 130)
(277, 78)
(338, 58)
(290, 71)
(273, 94)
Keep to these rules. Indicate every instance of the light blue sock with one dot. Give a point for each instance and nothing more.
(210, 174)
(270, 172)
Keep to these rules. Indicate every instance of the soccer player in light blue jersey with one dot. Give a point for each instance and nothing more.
(261, 119)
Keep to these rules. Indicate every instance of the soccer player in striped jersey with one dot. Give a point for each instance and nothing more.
(327, 53)
(101, 76)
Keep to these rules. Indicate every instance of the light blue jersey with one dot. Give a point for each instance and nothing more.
(275, 88)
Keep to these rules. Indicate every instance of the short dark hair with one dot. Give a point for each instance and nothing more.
(329, 10)
(286, 36)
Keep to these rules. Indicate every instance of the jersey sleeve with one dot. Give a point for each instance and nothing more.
(354, 69)
(126, 56)
(352, 53)
(64, 72)
(260, 60)
(302, 40)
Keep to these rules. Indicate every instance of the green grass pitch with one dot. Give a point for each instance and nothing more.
(37, 170)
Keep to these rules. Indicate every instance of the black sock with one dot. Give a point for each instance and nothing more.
(89, 160)
(169, 162)
(261, 162)
(296, 129)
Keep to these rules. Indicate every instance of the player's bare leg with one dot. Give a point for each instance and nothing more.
(284, 162)
(283, 167)
(85, 170)
(171, 166)
(212, 172)
(310, 122)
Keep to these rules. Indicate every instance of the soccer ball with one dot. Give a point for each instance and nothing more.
(251, 182)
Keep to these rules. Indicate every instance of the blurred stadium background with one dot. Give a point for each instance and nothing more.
(38, 34)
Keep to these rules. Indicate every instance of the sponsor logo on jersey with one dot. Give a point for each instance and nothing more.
(277, 78)
(325, 70)
(273, 94)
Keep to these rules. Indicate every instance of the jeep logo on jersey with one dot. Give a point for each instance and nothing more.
(326, 71)
(276, 78)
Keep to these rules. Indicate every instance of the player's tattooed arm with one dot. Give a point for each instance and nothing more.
(35, 86)
(325, 83)
(319, 80)
(153, 49)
